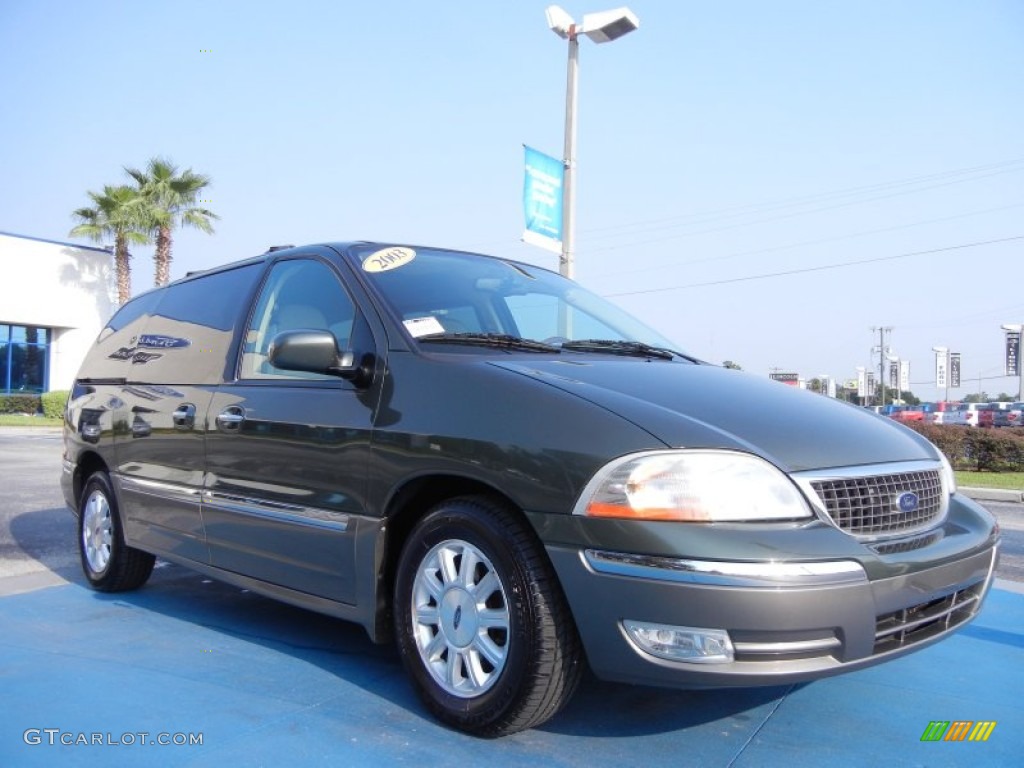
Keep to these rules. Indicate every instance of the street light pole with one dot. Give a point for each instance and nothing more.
(566, 264)
(601, 27)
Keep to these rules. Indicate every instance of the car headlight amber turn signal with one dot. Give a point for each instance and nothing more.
(693, 486)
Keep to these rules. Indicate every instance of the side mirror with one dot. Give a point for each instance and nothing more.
(313, 352)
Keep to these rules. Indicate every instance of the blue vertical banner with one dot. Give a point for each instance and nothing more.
(542, 200)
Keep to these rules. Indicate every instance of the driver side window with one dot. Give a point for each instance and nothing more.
(302, 294)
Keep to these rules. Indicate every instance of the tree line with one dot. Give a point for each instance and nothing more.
(148, 209)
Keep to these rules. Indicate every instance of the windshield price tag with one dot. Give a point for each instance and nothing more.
(423, 326)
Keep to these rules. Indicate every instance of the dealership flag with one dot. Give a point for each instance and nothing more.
(1012, 353)
(542, 200)
(941, 359)
(954, 370)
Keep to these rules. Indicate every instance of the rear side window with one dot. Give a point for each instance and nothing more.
(137, 309)
(181, 334)
(213, 301)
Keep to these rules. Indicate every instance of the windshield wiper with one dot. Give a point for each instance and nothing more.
(630, 348)
(498, 340)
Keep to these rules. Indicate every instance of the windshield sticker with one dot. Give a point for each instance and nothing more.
(388, 258)
(423, 326)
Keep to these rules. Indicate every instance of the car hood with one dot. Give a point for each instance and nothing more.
(704, 406)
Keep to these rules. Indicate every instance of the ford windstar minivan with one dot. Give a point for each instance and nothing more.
(509, 477)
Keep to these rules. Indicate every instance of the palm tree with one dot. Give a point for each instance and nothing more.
(116, 213)
(171, 197)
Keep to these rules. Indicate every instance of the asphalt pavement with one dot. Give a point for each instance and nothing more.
(93, 679)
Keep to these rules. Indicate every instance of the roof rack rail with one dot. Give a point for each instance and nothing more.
(273, 248)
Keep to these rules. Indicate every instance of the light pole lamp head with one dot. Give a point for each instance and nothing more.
(560, 22)
(605, 26)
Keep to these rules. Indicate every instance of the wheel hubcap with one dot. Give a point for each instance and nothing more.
(97, 532)
(460, 618)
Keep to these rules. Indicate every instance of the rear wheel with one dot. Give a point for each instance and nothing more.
(481, 621)
(108, 563)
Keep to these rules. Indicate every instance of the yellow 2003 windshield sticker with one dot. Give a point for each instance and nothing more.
(388, 258)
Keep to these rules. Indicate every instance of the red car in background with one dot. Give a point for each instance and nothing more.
(908, 413)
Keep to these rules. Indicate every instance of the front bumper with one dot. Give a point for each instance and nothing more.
(788, 622)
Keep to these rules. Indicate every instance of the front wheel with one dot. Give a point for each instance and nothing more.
(108, 563)
(481, 621)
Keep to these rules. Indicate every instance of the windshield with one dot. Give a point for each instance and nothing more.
(435, 292)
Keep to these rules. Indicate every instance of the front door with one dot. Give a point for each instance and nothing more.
(287, 452)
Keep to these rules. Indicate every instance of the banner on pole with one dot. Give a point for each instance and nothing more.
(1012, 353)
(954, 370)
(542, 200)
(941, 369)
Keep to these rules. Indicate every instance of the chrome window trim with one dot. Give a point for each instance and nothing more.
(770, 575)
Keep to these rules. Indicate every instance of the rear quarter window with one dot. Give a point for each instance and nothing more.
(181, 334)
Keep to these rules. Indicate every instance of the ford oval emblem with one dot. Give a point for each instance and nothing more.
(908, 502)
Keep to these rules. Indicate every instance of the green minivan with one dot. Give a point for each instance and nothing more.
(509, 477)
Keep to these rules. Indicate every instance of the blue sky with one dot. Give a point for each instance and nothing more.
(718, 143)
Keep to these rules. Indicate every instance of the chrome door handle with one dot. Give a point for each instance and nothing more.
(231, 418)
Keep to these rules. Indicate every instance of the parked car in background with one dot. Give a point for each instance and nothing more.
(906, 413)
(987, 415)
(965, 414)
(935, 413)
(1010, 417)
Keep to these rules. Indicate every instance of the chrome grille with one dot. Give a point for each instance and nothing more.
(869, 506)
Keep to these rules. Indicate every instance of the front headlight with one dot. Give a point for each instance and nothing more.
(692, 486)
(948, 475)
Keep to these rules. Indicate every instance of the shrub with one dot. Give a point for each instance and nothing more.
(53, 403)
(994, 450)
(19, 403)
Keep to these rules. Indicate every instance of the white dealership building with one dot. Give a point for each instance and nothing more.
(55, 297)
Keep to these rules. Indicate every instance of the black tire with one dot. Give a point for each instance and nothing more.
(108, 563)
(514, 658)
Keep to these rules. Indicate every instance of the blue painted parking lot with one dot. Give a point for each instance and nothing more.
(93, 679)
